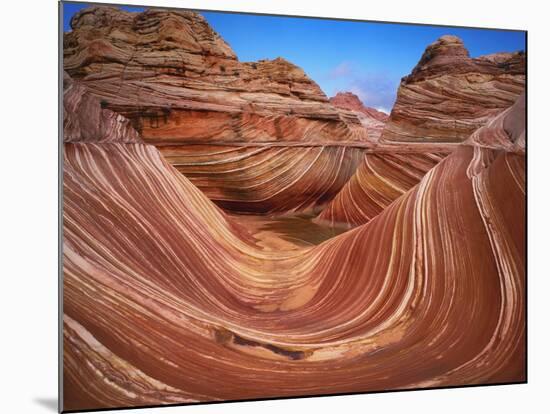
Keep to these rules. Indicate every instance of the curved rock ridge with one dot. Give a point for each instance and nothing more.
(371, 119)
(505, 131)
(266, 179)
(86, 120)
(177, 80)
(449, 95)
(166, 300)
(381, 178)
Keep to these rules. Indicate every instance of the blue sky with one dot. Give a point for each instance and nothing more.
(366, 58)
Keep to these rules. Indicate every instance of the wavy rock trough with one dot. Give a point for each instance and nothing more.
(267, 179)
(166, 301)
(449, 95)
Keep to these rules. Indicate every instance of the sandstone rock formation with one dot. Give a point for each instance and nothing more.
(505, 131)
(164, 301)
(177, 80)
(372, 119)
(270, 178)
(449, 95)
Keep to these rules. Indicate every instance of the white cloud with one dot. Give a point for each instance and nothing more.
(375, 90)
(343, 69)
(382, 109)
(361, 94)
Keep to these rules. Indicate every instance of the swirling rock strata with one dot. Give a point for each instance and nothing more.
(177, 80)
(449, 95)
(165, 300)
(381, 178)
(506, 131)
(267, 178)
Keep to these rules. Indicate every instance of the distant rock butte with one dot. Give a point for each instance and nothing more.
(350, 101)
(371, 119)
(177, 80)
(449, 95)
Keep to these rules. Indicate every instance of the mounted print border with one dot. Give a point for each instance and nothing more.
(262, 206)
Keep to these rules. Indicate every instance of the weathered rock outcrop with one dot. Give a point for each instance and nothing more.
(177, 80)
(449, 95)
(166, 78)
(371, 119)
